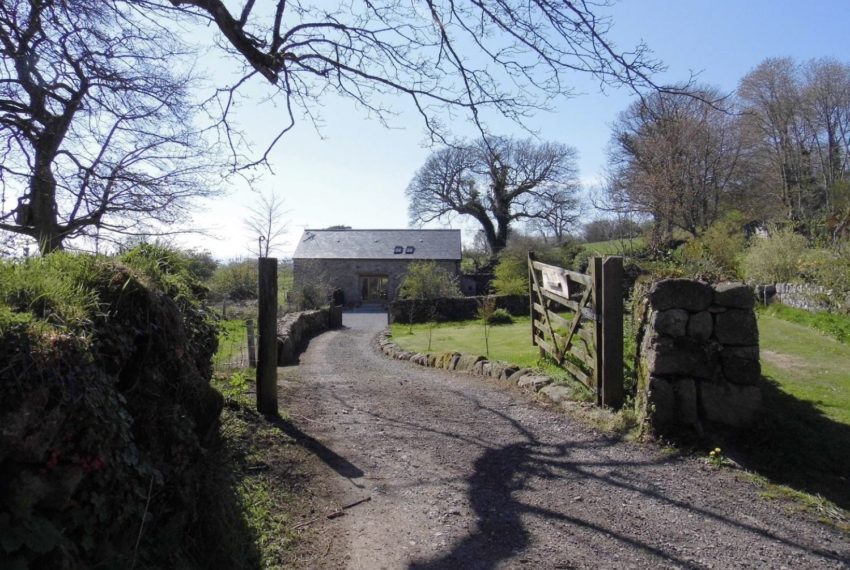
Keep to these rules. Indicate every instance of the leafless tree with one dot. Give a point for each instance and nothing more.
(797, 129)
(675, 158)
(497, 182)
(559, 218)
(95, 122)
(456, 55)
(774, 129)
(266, 222)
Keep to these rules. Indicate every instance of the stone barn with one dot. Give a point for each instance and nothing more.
(369, 265)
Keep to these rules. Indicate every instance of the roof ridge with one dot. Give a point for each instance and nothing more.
(383, 230)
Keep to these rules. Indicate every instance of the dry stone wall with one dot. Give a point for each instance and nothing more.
(294, 330)
(476, 365)
(698, 357)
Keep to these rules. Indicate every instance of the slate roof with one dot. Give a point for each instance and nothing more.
(379, 244)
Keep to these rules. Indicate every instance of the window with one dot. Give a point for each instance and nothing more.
(398, 249)
(410, 249)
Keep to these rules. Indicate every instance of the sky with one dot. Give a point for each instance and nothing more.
(355, 171)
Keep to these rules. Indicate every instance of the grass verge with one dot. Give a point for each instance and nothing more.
(807, 364)
(800, 443)
(834, 325)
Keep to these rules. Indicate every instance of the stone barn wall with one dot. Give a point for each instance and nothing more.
(344, 274)
(698, 356)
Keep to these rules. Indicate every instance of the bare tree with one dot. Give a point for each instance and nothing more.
(559, 218)
(676, 159)
(510, 56)
(266, 222)
(797, 129)
(95, 122)
(774, 130)
(497, 181)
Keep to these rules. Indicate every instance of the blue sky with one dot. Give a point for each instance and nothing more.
(355, 173)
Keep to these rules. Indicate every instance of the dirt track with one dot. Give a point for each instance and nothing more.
(465, 473)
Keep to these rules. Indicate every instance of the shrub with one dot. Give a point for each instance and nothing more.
(237, 280)
(719, 247)
(500, 317)
(774, 259)
(511, 276)
(427, 280)
(827, 268)
(107, 411)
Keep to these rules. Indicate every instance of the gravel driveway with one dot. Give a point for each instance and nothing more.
(465, 473)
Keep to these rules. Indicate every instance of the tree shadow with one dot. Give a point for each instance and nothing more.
(502, 473)
(795, 444)
(332, 459)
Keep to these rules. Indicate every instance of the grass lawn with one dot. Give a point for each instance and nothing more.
(511, 343)
(807, 364)
(803, 437)
(615, 246)
(232, 353)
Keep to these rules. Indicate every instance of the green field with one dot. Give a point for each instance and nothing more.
(807, 364)
(511, 343)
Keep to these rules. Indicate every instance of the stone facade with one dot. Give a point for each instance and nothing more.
(347, 274)
(698, 358)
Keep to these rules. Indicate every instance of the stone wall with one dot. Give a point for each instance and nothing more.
(698, 356)
(294, 331)
(452, 308)
(345, 274)
(477, 365)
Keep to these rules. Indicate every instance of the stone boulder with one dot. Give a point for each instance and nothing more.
(728, 404)
(680, 294)
(672, 322)
(734, 295)
(533, 382)
(736, 327)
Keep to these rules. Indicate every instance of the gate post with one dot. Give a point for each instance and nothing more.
(611, 389)
(595, 267)
(267, 349)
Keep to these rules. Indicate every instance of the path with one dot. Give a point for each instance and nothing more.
(466, 473)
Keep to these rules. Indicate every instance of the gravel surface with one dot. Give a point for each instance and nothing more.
(468, 473)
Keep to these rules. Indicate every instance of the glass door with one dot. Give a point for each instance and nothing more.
(373, 288)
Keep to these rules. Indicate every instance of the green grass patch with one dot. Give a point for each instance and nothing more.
(834, 325)
(807, 364)
(508, 343)
(803, 435)
(232, 353)
(616, 246)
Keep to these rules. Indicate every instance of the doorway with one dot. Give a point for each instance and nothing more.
(373, 288)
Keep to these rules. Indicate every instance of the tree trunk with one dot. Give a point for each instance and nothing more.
(46, 229)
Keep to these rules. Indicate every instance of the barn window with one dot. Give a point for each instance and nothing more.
(398, 249)
(410, 249)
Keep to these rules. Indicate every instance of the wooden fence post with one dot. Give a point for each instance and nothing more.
(611, 388)
(252, 347)
(595, 267)
(267, 324)
(531, 296)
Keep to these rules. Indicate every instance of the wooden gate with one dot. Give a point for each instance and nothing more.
(577, 321)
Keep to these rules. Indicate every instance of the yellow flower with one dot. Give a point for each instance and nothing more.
(711, 454)
(717, 450)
